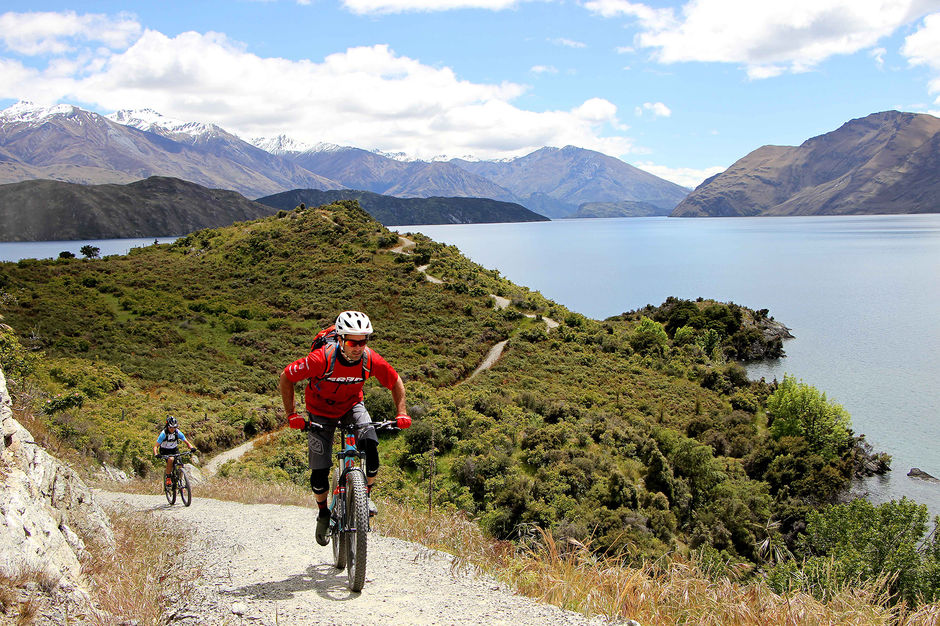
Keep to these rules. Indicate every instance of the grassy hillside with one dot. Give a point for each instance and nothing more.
(43, 210)
(634, 435)
(391, 210)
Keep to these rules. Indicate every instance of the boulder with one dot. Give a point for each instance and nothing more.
(47, 513)
(920, 474)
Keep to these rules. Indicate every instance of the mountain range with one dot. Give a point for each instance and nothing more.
(886, 162)
(70, 144)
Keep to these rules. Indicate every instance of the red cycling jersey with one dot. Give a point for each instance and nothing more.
(332, 397)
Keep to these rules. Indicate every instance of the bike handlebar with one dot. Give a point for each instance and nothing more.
(386, 425)
(171, 456)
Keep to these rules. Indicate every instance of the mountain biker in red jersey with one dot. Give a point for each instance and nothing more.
(331, 397)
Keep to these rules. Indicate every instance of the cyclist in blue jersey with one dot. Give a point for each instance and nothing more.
(168, 443)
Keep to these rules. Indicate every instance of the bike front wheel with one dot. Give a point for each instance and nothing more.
(357, 529)
(182, 483)
(170, 490)
(337, 531)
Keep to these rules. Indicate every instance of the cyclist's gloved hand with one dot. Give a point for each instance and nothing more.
(403, 421)
(294, 420)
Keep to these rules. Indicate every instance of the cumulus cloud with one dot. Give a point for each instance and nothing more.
(369, 97)
(57, 33)
(766, 38)
(923, 48)
(658, 109)
(363, 7)
(685, 176)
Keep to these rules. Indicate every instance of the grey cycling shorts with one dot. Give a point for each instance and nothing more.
(320, 441)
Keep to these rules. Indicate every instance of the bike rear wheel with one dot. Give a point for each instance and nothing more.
(338, 536)
(182, 483)
(357, 529)
(170, 490)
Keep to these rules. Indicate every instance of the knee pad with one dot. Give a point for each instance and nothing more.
(320, 480)
(372, 457)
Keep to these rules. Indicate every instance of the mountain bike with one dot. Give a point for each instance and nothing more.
(349, 507)
(179, 480)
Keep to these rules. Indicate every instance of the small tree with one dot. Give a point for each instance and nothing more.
(649, 336)
(65, 254)
(800, 410)
(90, 252)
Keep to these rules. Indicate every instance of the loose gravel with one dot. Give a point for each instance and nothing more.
(260, 564)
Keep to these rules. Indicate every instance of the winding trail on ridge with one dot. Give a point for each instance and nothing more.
(259, 564)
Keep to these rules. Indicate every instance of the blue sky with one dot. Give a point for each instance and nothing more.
(680, 89)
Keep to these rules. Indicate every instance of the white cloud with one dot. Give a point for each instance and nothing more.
(878, 54)
(568, 43)
(56, 33)
(923, 48)
(544, 69)
(685, 176)
(401, 6)
(767, 38)
(368, 97)
(658, 109)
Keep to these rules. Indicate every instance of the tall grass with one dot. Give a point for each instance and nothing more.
(145, 574)
(24, 593)
(671, 591)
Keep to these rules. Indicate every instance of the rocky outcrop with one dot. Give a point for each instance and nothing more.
(920, 474)
(885, 163)
(47, 513)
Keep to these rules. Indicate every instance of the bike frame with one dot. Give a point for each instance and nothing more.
(347, 457)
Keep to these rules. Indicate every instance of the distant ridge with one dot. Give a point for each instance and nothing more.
(884, 163)
(556, 181)
(70, 144)
(394, 211)
(50, 210)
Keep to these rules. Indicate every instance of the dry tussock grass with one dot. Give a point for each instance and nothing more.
(672, 591)
(143, 575)
(23, 593)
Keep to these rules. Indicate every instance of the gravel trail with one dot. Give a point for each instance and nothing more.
(261, 565)
(210, 468)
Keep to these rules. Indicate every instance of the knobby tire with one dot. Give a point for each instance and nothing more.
(339, 538)
(357, 518)
(170, 490)
(182, 481)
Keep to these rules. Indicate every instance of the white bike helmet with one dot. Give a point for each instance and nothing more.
(353, 323)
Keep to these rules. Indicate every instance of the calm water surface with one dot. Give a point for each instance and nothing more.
(17, 250)
(861, 295)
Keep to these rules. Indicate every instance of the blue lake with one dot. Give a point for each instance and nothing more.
(861, 295)
(17, 250)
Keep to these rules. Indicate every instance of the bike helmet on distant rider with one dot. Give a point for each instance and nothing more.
(353, 323)
(171, 422)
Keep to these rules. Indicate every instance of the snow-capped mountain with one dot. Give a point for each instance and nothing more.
(26, 112)
(67, 143)
(70, 144)
(178, 130)
(285, 145)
